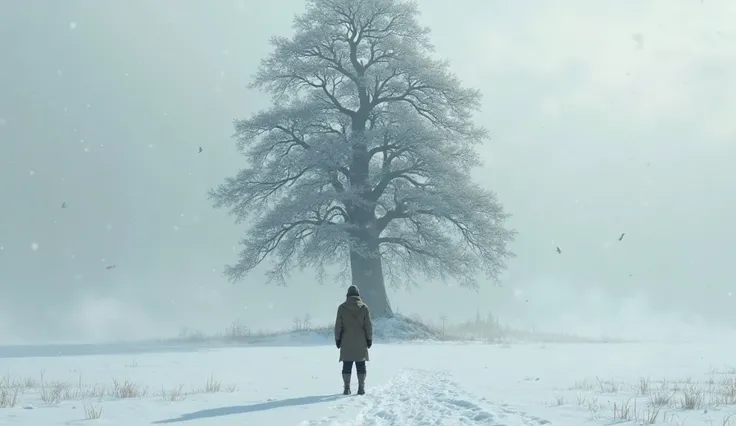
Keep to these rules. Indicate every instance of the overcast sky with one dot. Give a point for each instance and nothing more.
(606, 117)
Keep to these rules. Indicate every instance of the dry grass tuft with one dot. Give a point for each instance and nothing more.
(692, 398)
(585, 384)
(51, 393)
(647, 401)
(54, 392)
(607, 386)
(127, 389)
(625, 411)
(9, 396)
(175, 394)
(212, 385)
(644, 386)
(92, 413)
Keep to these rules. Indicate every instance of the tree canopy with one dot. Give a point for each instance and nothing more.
(366, 150)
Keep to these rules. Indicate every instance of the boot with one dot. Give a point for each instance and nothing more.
(361, 384)
(346, 383)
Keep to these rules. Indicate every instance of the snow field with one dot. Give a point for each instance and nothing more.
(687, 384)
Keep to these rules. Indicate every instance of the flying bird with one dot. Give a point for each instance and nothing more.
(200, 150)
(558, 250)
(110, 267)
(622, 236)
(63, 205)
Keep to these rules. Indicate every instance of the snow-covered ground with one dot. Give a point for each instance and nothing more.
(408, 384)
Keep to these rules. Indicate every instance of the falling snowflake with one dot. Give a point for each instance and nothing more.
(86, 149)
(108, 227)
(59, 72)
(2, 248)
(34, 246)
(729, 293)
(638, 39)
(127, 74)
(226, 52)
(181, 214)
(32, 172)
(72, 25)
(270, 306)
(89, 105)
(2, 121)
(176, 228)
(150, 145)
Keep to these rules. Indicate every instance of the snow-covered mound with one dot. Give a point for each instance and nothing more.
(395, 329)
(401, 328)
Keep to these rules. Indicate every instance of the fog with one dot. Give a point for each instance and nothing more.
(606, 118)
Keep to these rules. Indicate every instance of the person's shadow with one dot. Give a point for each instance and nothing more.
(242, 409)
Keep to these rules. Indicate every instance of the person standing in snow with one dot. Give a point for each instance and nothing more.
(353, 336)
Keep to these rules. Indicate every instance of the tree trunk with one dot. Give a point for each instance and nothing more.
(365, 264)
(367, 275)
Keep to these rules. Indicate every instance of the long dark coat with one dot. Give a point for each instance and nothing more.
(353, 328)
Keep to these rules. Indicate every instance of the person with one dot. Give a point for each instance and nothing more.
(353, 336)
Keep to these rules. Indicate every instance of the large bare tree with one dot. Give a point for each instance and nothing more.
(364, 158)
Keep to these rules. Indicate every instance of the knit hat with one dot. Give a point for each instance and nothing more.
(353, 291)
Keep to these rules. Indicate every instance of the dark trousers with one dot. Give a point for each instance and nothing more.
(347, 367)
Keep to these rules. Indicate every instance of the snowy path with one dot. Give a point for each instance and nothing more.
(426, 397)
